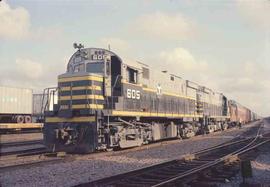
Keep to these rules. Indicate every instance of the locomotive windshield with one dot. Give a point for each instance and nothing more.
(97, 61)
(95, 67)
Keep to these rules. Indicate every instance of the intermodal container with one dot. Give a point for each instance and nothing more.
(15, 100)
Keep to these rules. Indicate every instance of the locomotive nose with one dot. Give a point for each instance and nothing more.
(80, 95)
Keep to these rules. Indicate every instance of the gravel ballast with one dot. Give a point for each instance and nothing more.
(260, 166)
(85, 168)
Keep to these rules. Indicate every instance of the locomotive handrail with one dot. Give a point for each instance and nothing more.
(114, 84)
(47, 92)
(126, 122)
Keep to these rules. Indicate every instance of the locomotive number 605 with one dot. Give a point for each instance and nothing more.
(133, 94)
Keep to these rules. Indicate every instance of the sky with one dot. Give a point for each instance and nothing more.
(223, 45)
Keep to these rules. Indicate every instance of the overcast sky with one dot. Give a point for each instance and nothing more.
(224, 45)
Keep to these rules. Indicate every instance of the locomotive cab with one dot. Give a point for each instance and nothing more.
(89, 78)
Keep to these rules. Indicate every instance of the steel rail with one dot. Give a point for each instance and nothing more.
(208, 165)
(238, 152)
(20, 143)
(25, 152)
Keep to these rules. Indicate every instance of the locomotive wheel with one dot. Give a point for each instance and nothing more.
(109, 149)
(19, 119)
(27, 119)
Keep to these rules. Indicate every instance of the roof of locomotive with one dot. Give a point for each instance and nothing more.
(85, 55)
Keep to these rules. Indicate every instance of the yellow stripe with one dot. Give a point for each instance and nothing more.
(74, 97)
(219, 116)
(149, 114)
(91, 106)
(68, 88)
(20, 125)
(75, 119)
(149, 89)
(69, 79)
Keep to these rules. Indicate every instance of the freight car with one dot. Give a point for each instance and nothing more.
(239, 114)
(15, 105)
(105, 102)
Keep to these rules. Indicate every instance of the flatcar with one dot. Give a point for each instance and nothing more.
(107, 102)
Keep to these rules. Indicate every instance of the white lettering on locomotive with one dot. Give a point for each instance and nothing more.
(159, 90)
(98, 57)
(133, 94)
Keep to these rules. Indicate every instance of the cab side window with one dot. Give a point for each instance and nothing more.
(145, 73)
(132, 75)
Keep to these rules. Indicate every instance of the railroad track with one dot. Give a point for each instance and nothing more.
(27, 154)
(6, 132)
(20, 143)
(22, 148)
(173, 172)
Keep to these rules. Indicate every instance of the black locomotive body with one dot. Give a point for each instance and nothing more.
(106, 102)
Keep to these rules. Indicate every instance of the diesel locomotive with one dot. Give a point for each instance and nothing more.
(107, 102)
